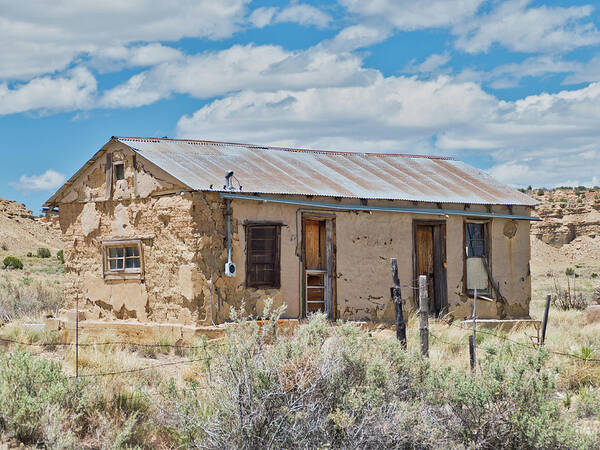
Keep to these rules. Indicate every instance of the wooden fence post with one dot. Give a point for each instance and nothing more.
(472, 353)
(423, 315)
(397, 299)
(545, 322)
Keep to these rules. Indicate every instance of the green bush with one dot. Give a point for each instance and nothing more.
(43, 253)
(29, 255)
(12, 262)
(4, 247)
(540, 192)
(60, 255)
(336, 387)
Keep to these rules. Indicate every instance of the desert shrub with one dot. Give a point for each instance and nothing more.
(36, 397)
(540, 192)
(60, 255)
(18, 300)
(336, 387)
(29, 255)
(589, 403)
(568, 298)
(4, 247)
(596, 295)
(509, 405)
(43, 253)
(12, 262)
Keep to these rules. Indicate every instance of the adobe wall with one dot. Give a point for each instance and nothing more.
(365, 244)
(183, 237)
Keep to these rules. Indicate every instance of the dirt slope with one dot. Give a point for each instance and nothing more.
(21, 233)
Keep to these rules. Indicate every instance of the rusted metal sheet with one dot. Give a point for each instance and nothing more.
(202, 165)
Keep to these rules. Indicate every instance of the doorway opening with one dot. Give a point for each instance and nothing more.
(318, 265)
(430, 260)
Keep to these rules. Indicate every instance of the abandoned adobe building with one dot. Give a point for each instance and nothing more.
(182, 231)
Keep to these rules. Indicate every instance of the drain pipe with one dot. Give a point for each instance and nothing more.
(230, 270)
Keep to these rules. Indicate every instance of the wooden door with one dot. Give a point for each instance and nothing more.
(318, 266)
(425, 260)
(430, 251)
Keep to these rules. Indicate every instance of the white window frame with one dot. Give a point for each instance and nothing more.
(136, 273)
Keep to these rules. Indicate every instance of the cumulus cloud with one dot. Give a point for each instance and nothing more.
(74, 90)
(409, 15)
(541, 139)
(302, 14)
(37, 39)
(258, 68)
(519, 27)
(47, 181)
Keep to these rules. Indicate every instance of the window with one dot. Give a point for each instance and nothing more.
(122, 259)
(119, 171)
(262, 261)
(476, 240)
(477, 248)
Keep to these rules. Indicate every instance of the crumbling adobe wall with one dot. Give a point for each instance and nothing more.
(510, 265)
(175, 228)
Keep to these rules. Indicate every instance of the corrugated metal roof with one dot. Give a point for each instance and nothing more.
(202, 165)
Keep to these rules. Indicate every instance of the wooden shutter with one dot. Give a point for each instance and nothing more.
(262, 261)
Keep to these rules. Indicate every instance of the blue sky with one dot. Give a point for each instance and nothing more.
(511, 87)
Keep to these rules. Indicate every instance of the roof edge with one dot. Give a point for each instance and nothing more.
(266, 147)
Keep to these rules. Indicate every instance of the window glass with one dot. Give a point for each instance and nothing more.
(123, 258)
(476, 247)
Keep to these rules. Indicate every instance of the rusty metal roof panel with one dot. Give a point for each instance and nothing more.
(202, 165)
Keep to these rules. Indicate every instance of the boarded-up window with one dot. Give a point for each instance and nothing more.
(122, 259)
(262, 261)
(477, 248)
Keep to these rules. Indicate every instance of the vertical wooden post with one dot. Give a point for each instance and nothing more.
(77, 336)
(423, 315)
(397, 299)
(473, 346)
(472, 353)
(545, 322)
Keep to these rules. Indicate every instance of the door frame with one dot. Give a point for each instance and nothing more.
(331, 250)
(441, 279)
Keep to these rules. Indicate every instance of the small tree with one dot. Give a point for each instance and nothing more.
(43, 253)
(12, 263)
(60, 255)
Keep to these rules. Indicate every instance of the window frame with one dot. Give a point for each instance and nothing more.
(276, 283)
(136, 273)
(116, 171)
(486, 225)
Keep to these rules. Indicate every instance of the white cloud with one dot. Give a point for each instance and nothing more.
(431, 64)
(413, 15)
(74, 90)
(540, 139)
(299, 13)
(36, 38)
(259, 68)
(47, 181)
(518, 27)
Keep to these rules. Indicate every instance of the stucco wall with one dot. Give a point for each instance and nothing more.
(183, 237)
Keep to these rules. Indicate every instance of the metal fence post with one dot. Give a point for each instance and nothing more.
(474, 337)
(423, 315)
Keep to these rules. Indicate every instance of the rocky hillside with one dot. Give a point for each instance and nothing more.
(567, 214)
(21, 233)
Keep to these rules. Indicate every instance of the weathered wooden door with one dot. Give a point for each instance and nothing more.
(318, 266)
(430, 252)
